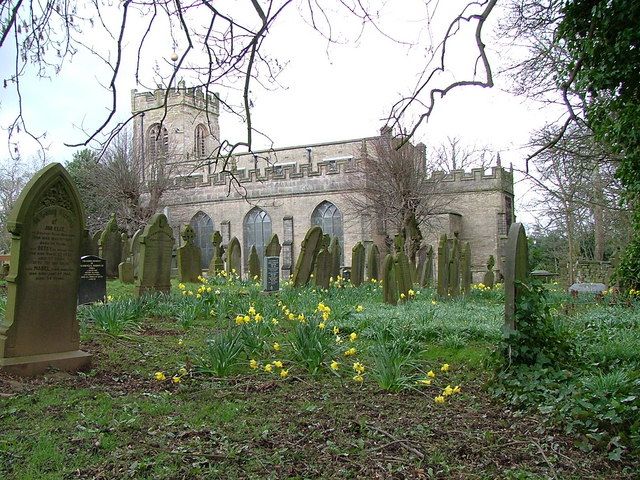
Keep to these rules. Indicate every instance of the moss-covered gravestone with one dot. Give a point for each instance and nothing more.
(389, 284)
(306, 258)
(490, 276)
(234, 257)
(156, 246)
(516, 269)
(254, 264)
(402, 267)
(426, 270)
(95, 242)
(465, 268)
(357, 264)
(126, 248)
(217, 264)
(443, 267)
(135, 251)
(454, 269)
(334, 248)
(189, 257)
(40, 328)
(125, 272)
(271, 265)
(373, 263)
(111, 247)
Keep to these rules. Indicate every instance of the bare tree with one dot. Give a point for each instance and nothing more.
(393, 187)
(454, 154)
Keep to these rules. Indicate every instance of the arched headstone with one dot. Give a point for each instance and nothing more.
(516, 269)
(156, 246)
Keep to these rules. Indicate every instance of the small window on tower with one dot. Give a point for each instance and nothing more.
(200, 142)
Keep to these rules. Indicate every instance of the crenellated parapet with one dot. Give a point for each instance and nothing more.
(476, 180)
(181, 95)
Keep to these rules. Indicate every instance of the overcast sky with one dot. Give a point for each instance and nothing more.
(326, 93)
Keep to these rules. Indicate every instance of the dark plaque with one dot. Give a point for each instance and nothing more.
(271, 277)
(93, 280)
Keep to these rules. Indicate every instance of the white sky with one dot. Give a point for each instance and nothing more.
(329, 92)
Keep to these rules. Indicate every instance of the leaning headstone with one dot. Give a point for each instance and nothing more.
(254, 264)
(465, 268)
(373, 263)
(126, 247)
(357, 264)
(111, 247)
(189, 257)
(426, 271)
(93, 280)
(402, 267)
(95, 242)
(443, 267)
(304, 264)
(125, 272)
(40, 328)
(322, 272)
(217, 264)
(156, 245)
(454, 269)
(135, 251)
(516, 267)
(234, 257)
(389, 284)
(489, 277)
(334, 248)
(271, 265)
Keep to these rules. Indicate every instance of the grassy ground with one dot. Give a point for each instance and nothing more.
(119, 421)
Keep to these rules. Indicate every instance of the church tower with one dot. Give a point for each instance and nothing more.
(176, 131)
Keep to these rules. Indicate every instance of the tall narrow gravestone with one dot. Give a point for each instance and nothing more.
(516, 269)
(189, 257)
(306, 258)
(111, 247)
(217, 264)
(40, 328)
(271, 265)
(156, 246)
(234, 257)
(357, 264)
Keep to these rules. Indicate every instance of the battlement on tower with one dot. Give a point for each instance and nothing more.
(181, 95)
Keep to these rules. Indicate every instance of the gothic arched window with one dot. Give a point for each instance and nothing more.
(157, 147)
(203, 226)
(329, 218)
(200, 142)
(257, 231)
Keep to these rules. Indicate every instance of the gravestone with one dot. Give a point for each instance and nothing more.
(271, 265)
(156, 246)
(95, 242)
(334, 248)
(357, 264)
(322, 272)
(254, 264)
(454, 268)
(217, 264)
(516, 267)
(489, 276)
(135, 251)
(465, 268)
(389, 283)
(443, 267)
(126, 248)
(373, 263)
(93, 280)
(422, 257)
(426, 272)
(189, 257)
(234, 257)
(40, 328)
(305, 262)
(402, 267)
(125, 272)
(111, 247)
(87, 244)
(594, 288)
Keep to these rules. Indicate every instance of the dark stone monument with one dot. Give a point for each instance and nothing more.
(93, 280)
(271, 265)
(40, 328)
(189, 257)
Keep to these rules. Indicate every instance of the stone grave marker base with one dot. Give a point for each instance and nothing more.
(35, 364)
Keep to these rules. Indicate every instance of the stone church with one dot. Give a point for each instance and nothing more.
(287, 190)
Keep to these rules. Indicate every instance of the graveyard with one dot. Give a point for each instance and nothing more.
(127, 367)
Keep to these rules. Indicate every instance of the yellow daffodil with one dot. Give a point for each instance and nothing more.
(350, 352)
(433, 302)
(284, 373)
(258, 318)
(182, 286)
(321, 325)
(338, 339)
(447, 391)
(198, 295)
(268, 368)
(253, 364)
(252, 310)
(277, 364)
(424, 381)
(176, 379)
(439, 399)
(274, 321)
(217, 292)
(182, 372)
(239, 319)
(456, 389)
(180, 341)
(411, 293)
(301, 317)
(358, 378)
(276, 347)
(209, 289)
(444, 367)
(160, 376)
(189, 293)
(402, 296)
(325, 316)
(358, 367)
(359, 308)
(184, 292)
(430, 374)
(353, 336)
(336, 330)
(335, 366)
(291, 316)
(212, 312)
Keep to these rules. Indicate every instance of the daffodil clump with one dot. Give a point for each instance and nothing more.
(432, 377)
(176, 378)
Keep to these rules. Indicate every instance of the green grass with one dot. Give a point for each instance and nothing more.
(227, 420)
